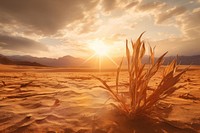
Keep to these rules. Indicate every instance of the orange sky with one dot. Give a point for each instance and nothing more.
(47, 28)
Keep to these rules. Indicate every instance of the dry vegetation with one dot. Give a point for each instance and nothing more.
(140, 101)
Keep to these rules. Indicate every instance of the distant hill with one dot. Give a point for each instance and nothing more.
(71, 61)
(62, 61)
(6, 61)
(186, 60)
(182, 60)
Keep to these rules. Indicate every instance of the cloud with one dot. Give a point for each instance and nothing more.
(114, 38)
(21, 44)
(132, 4)
(74, 23)
(177, 46)
(109, 5)
(151, 6)
(88, 24)
(187, 43)
(163, 16)
(190, 25)
(44, 16)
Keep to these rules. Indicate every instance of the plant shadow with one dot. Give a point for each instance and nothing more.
(147, 124)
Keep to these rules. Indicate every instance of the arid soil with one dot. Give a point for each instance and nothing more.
(42, 99)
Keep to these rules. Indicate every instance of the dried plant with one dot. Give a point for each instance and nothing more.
(140, 100)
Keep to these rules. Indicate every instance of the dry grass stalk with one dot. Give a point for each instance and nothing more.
(139, 101)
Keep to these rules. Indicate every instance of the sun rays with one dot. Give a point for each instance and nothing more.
(101, 51)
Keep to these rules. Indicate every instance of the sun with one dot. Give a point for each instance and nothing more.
(99, 48)
(101, 51)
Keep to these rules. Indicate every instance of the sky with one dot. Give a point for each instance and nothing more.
(55, 28)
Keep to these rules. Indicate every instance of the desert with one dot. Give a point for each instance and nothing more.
(99, 66)
(49, 100)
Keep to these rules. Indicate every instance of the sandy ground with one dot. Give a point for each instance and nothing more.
(35, 99)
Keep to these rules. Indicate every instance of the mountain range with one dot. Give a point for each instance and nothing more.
(70, 61)
(62, 61)
(5, 60)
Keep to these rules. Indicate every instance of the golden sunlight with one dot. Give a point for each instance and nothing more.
(99, 48)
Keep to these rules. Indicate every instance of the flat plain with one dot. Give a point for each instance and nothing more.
(48, 99)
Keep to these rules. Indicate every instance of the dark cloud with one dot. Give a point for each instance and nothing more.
(21, 44)
(170, 13)
(44, 16)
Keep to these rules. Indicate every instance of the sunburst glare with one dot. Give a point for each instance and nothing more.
(101, 51)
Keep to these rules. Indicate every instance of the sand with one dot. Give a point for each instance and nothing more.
(43, 99)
